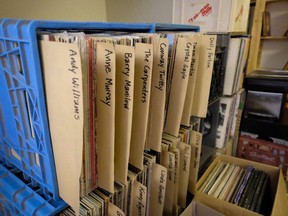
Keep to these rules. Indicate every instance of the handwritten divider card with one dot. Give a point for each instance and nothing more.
(125, 63)
(184, 168)
(179, 85)
(196, 144)
(142, 90)
(105, 102)
(168, 161)
(176, 152)
(113, 210)
(79, 39)
(158, 94)
(61, 65)
(156, 189)
(203, 82)
(191, 82)
(138, 199)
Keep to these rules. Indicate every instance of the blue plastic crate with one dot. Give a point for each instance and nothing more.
(25, 143)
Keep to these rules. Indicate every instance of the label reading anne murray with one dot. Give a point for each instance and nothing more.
(108, 81)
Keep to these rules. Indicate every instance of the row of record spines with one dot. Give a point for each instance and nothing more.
(96, 202)
(92, 204)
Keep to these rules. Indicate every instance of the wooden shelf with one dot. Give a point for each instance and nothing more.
(275, 38)
(268, 52)
(271, 71)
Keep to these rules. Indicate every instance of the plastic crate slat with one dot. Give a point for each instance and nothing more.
(19, 195)
(12, 51)
(13, 39)
(25, 161)
(18, 80)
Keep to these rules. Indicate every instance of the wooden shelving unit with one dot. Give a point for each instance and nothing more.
(269, 53)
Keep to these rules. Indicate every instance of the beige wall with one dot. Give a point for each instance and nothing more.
(159, 11)
(75, 10)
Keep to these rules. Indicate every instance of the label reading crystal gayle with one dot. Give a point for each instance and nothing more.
(187, 60)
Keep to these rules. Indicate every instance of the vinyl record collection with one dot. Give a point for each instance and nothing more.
(115, 104)
(245, 187)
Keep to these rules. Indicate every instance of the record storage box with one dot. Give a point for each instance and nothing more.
(28, 184)
(277, 187)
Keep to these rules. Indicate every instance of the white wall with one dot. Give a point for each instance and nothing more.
(74, 10)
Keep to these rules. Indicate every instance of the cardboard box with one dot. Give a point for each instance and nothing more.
(213, 16)
(199, 209)
(277, 186)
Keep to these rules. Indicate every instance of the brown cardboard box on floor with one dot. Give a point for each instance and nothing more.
(277, 188)
(199, 209)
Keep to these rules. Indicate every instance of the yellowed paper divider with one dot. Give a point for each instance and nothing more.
(63, 87)
(203, 82)
(184, 169)
(156, 190)
(168, 161)
(105, 102)
(138, 200)
(196, 143)
(158, 95)
(179, 85)
(191, 82)
(125, 63)
(113, 210)
(142, 90)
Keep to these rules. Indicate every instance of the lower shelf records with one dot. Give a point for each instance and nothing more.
(246, 187)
